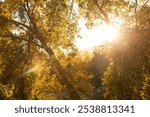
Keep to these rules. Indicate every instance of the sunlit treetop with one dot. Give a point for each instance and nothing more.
(111, 11)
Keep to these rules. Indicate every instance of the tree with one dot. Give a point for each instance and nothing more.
(145, 93)
(41, 26)
(129, 53)
(124, 78)
(37, 47)
(97, 66)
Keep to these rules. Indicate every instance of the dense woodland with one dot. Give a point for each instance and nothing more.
(39, 60)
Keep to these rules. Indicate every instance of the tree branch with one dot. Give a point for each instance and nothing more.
(136, 4)
(20, 38)
(27, 4)
(71, 8)
(144, 5)
(105, 15)
(63, 79)
(142, 23)
(104, 2)
(33, 7)
(18, 23)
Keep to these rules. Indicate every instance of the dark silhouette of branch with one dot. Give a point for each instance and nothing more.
(103, 3)
(142, 23)
(144, 5)
(105, 15)
(136, 4)
(20, 38)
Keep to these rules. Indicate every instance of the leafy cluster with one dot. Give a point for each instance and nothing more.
(38, 58)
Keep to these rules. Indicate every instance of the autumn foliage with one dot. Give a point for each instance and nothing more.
(39, 59)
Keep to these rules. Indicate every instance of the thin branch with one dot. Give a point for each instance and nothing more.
(71, 8)
(27, 4)
(142, 23)
(104, 2)
(27, 9)
(22, 28)
(136, 4)
(18, 23)
(14, 22)
(20, 38)
(106, 18)
(144, 5)
(33, 7)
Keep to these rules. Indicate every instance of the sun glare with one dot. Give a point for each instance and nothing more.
(96, 36)
(30, 70)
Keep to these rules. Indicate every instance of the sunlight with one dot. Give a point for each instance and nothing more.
(108, 32)
(96, 36)
(30, 70)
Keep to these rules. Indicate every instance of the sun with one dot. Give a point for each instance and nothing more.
(108, 33)
(95, 36)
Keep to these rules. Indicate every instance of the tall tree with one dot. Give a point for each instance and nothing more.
(129, 53)
(44, 25)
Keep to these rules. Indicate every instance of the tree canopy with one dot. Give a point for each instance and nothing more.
(39, 58)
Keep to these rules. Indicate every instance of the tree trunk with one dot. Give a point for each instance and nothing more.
(63, 79)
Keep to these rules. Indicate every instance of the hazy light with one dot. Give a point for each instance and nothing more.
(30, 70)
(96, 36)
